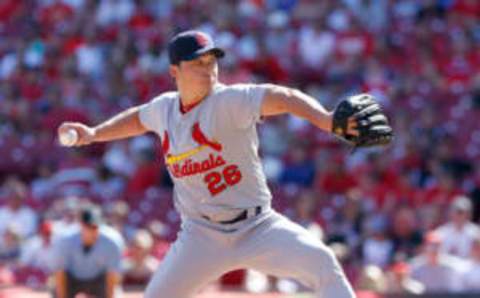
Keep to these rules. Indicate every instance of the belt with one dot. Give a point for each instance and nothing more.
(247, 213)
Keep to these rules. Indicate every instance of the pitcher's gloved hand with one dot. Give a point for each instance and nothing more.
(360, 121)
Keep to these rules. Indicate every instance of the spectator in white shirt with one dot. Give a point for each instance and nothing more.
(15, 213)
(437, 271)
(316, 45)
(114, 12)
(458, 234)
(90, 60)
(37, 252)
(377, 249)
(10, 246)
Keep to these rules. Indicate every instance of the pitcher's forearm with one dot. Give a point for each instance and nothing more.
(124, 125)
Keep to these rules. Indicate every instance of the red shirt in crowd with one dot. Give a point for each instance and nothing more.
(439, 195)
(54, 14)
(335, 182)
(52, 120)
(469, 8)
(145, 176)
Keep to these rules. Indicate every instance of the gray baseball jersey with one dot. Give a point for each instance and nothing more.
(211, 151)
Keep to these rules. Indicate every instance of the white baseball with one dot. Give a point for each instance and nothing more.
(69, 138)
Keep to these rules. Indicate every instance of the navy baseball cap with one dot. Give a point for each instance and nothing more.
(189, 45)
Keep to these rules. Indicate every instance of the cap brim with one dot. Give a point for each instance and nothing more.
(218, 52)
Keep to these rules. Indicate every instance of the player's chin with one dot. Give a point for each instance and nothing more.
(207, 80)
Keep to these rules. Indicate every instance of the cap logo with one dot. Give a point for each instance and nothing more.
(202, 39)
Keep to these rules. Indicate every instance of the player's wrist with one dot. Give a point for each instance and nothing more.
(324, 121)
(329, 121)
(94, 134)
(321, 119)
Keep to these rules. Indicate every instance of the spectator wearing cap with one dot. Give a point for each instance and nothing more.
(89, 259)
(437, 271)
(457, 235)
(371, 278)
(399, 280)
(140, 264)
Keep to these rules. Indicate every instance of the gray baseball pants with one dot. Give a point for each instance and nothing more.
(271, 244)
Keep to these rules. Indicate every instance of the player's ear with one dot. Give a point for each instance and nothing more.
(173, 70)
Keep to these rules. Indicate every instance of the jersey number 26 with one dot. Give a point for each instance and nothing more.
(218, 181)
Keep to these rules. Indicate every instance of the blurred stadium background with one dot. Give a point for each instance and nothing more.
(85, 60)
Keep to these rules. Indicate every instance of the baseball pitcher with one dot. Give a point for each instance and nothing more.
(210, 144)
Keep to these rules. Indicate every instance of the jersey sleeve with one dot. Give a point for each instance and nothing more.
(151, 113)
(116, 250)
(244, 105)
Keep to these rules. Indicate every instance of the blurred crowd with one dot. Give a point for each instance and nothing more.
(396, 217)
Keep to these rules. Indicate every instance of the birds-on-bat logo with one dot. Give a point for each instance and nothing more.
(198, 136)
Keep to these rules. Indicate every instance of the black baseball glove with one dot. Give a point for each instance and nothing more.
(371, 124)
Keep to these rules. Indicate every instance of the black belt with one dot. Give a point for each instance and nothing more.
(242, 216)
